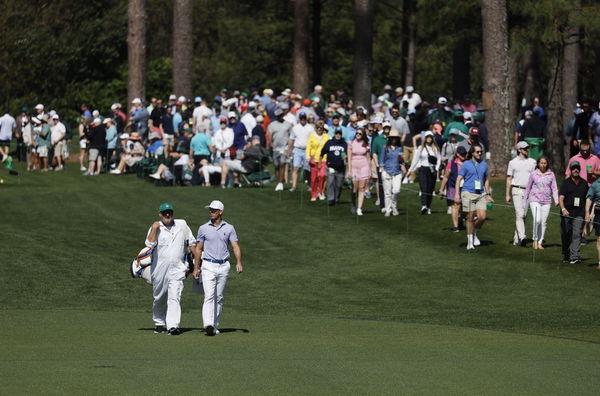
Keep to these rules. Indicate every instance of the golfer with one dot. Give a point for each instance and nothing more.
(212, 247)
(170, 239)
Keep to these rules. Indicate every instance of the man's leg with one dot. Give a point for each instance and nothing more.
(159, 292)
(386, 182)
(220, 290)
(224, 171)
(331, 187)
(339, 183)
(576, 238)
(520, 214)
(295, 176)
(565, 236)
(173, 317)
(209, 283)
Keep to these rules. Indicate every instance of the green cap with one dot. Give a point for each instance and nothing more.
(165, 206)
(458, 113)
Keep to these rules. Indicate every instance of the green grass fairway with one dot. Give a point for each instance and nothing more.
(77, 352)
(332, 303)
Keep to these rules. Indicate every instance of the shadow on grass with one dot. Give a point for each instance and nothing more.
(188, 329)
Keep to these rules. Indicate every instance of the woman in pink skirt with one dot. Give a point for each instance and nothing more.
(359, 168)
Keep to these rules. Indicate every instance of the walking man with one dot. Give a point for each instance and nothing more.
(212, 248)
(475, 193)
(170, 239)
(517, 176)
(572, 201)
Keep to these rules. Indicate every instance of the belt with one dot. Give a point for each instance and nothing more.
(522, 188)
(215, 261)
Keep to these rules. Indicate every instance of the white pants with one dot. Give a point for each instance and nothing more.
(214, 279)
(520, 214)
(391, 189)
(209, 170)
(540, 216)
(167, 285)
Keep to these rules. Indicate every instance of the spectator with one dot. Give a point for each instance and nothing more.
(280, 132)
(111, 139)
(259, 131)
(132, 155)
(391, 168)
(359, 160)
(411, 97)
(335, 151)
(541, 188)
(473, 139)
(25, 131)
(297, 147)
(589, 163)
(58, 132)
(571, 197)
(44, 136)
(250, 158)
(427, 161)
(317, 162)
(517, 176)
(533, 132)
(448, 186)
(475, 194)
(8, 127)
(96, 137)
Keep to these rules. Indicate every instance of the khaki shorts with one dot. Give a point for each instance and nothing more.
(42, 151)
(168, 140)
(472, 202)
(58, 149)
(93, 154)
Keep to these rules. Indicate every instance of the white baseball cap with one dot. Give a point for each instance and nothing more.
(39, 106)
(442, 100)
(172, 97)
(97, 121)
(181, 99)
(231, 114)
(55, 117)
(216, 205)
(114, 106)
(136, 101)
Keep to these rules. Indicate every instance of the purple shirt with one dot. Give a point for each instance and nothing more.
(216, 240)
(541, 188)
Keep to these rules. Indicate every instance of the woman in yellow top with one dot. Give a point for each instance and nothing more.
(318, 166)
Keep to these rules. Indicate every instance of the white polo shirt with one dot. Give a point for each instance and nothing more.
(300, 134)
(520, 169)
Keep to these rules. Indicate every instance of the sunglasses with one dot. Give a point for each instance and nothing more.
(213, 210)
(477, 152)
(167, 213)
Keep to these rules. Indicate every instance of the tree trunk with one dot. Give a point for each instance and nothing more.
(316, 41)
(363, 52)
(461, 65)
(555, 141)
(182, 47)
(495, 82)
(136, 49)
(531, 70)
(596, 71)
(409, 34)
(301, 17)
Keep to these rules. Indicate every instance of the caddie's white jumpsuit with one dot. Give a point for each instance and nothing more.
(168, 271)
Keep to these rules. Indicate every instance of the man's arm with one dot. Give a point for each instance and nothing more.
(197, 252)
(238, 256)
(457, 189)
(561, 203)
(488, 190)
(151, 238)
(508, 185)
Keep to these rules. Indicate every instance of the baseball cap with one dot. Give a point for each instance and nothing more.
(172, 97)
(114, 106)
(409, 89)
(97, 121)
(528, 112)
(473, 131)
(165, 206)
(39, 106)
(453, 131)
(55, 117)
(278, 112)
(181, 99)
(136, 101)
(467, 115)
(522, 145)
(442, 100)
(574, 164)
(198, 99)
(231, 114)
(302, 115)
(461, 150)
(215, 205)
(306, 102)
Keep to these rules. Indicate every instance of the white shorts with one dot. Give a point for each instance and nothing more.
(82, 144)
(42, 151)
(235, 165)
(168, 140)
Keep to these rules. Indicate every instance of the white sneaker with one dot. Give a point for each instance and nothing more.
(322, 197)
(405, 180)
(470, 247)
(383, 210)
(115, 172)
(279, 187)
(387, 213)
(377, 203)
(313, 199)
(428, 211)
(449, 211)
(395, 212)
(476, 241)
(155, 176)
(83, 168)
(359, 212)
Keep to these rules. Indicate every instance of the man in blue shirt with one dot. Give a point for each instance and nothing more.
(475, 194)
(213, 240)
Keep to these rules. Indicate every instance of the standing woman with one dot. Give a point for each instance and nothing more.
(83, 130)
(318, 164)
(428, 160)
(392, 165)
(539, 192)
(359, 168)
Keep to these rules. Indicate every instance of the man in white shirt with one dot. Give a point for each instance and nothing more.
(297, 147)
(248, 120)
(8, 127)
(57, 136)
(201, 116)
(517, 176)
(170, 240)
(289, 117)
(413, 98)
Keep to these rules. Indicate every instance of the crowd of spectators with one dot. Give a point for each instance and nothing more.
(321, 143)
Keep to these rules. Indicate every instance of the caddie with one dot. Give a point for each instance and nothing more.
(213, 240)
(170, 239)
